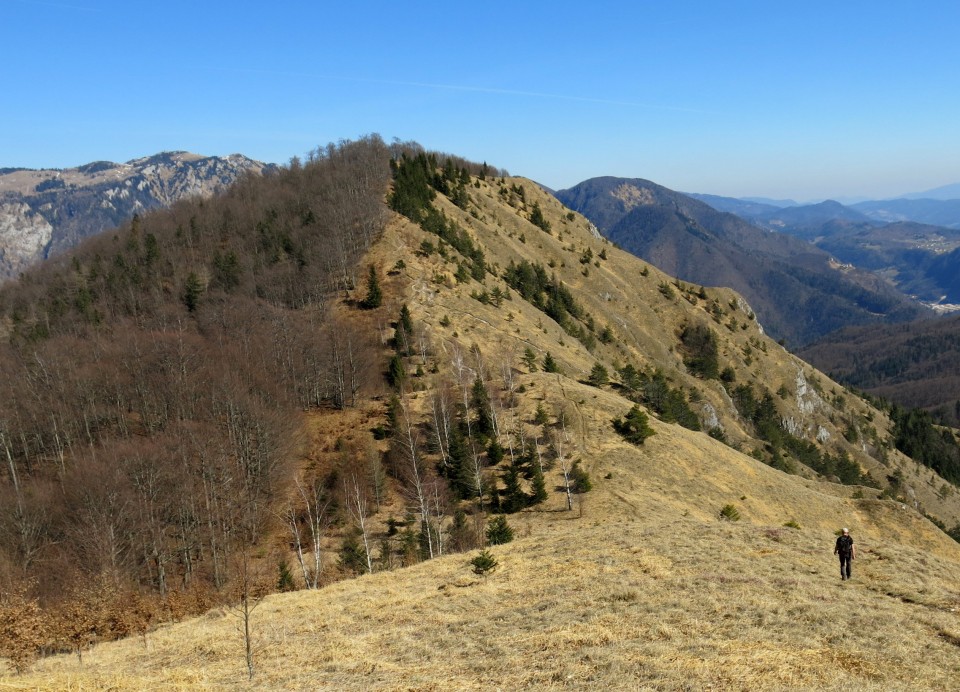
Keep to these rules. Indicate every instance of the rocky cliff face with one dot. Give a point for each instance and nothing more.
(43, 212)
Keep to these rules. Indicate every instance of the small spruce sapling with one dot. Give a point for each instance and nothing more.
(285, 577)
(730, 513)
(549, 364)
(483, 563)
(499, 531)
(634, 426)
(530, 359)
(540, 417)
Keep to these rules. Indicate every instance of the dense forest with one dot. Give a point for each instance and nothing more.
(914, 365)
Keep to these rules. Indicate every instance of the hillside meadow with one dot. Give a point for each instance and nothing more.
(640, 584)
(641, 587)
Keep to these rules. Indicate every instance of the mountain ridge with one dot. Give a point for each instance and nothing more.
(798, 290)
(44, 212)
(637, 581)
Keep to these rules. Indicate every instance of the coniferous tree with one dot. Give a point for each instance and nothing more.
(634, 426)
(405, 322)
(374, 297)
(538, 219)
(462, 536)
(480, 401)
(352, 555)
(513, 498)
(630, 378)
(396, 372)
(495, 452)
(701, 348)
(530, 359)
(192, 291)
(549, 364)
(538, 486)
(284, 577)
(462, 474)
(580, 477)
(599, 375)
(499, 531)
(403, 334)
(540, 416)
(484, 562)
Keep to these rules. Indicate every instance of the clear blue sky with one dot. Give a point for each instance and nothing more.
(783, 99)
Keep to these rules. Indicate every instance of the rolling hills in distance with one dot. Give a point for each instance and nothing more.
(799, 291)
(914, 248)
(371, 330)
(912, 364)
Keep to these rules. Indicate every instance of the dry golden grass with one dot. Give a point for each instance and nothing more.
(602, 601)
(641, 586)
(648, 589)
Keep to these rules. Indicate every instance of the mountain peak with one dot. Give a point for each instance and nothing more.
(798, 293)
(45, 212)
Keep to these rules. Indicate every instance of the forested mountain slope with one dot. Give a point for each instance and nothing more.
(799, 292)
(915, 365)
(669, 473)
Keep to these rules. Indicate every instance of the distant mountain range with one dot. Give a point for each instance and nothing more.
(938, 211)
(43, 212)
(889, 238)
(797, 290)
(945, 192)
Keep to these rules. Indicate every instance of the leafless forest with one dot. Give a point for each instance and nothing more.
(153, 383)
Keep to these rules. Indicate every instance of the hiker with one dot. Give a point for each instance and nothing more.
(846, 551)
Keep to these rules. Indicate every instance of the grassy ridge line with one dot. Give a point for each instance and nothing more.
(625, 293)
(651, 604)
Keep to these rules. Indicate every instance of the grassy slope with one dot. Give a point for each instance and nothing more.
(642, 585)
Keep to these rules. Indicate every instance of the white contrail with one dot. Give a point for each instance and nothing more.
(475, 89)
(61, 5)
(541, 94)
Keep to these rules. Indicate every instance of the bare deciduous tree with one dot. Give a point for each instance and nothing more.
(415, 472)
(355, 498)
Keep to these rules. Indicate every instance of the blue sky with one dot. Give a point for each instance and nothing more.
(804, 100)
